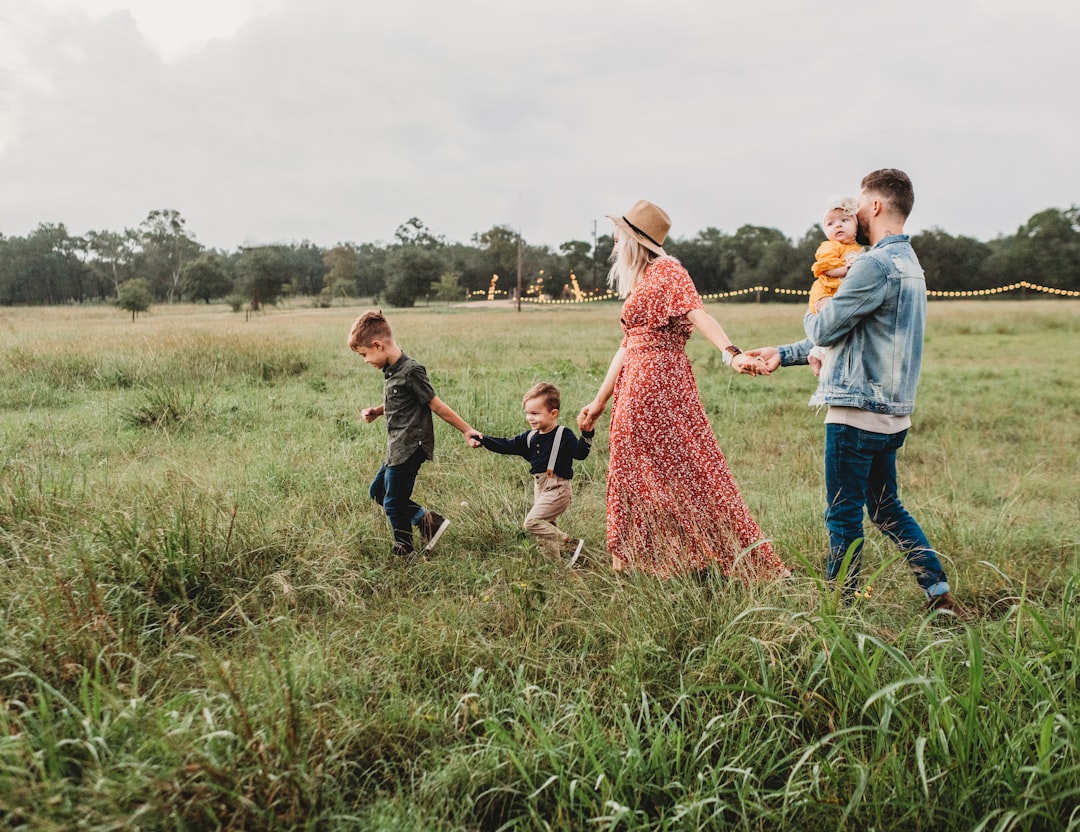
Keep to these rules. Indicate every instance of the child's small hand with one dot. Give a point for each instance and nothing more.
(820, 305)
(473, 437)
(370, 414)
(815, 364)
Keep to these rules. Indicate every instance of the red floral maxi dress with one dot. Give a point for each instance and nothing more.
(672, 504)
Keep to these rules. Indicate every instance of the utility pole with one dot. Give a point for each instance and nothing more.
(594, 255)
(520, 256)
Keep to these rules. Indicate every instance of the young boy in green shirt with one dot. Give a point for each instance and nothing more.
(408, 402)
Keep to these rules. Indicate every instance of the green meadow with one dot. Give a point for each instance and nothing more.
(201, 626)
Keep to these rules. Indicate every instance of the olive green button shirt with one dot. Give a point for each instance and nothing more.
(407, 394)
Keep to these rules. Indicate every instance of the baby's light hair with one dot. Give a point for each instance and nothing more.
(548, 392)
(848, 204)
(369, 327)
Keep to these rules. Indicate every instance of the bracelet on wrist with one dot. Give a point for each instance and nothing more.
(729, 353)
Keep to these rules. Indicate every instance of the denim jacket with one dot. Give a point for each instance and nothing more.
(874, 326)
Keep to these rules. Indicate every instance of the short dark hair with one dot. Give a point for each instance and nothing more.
(548, 392)
(895, 186)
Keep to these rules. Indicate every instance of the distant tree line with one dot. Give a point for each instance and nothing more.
(51, 266)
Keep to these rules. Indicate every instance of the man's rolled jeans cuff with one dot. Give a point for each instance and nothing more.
(937, 589)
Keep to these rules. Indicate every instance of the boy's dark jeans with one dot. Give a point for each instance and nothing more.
(392, 489)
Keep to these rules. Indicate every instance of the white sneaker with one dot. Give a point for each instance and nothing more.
(578, 545)
(432, 525)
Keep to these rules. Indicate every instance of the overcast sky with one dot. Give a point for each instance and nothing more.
(338, 120)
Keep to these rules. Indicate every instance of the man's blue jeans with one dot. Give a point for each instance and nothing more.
(392, 489)
(860, 470)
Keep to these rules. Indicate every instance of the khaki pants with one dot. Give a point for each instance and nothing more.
(551, 497)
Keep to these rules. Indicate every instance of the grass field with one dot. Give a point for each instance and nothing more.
(201, 626)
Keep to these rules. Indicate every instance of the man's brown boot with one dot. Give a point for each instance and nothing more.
(946, 603)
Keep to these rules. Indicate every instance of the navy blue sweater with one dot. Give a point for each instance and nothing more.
(570, 448)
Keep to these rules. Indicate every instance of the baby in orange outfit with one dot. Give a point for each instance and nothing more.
(833, 257)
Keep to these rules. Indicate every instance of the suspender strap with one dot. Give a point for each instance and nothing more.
(555, 450)
(554, 447)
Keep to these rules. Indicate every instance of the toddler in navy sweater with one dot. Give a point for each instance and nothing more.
(551, 450)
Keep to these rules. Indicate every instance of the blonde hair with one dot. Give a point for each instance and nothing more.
(369, 327)
(848, 204)
(629, 260)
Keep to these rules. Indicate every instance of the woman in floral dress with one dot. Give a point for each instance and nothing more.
(672, 505)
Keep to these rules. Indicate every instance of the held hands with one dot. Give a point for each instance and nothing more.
(769, 356)
(473, 437)
(750, 364)
(586, 419)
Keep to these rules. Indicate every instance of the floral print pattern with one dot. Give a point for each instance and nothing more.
(672, 504)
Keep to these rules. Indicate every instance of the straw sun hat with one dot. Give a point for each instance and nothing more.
(647, 223)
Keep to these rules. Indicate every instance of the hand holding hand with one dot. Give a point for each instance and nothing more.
(473, 437)
(586, 419)
(770, 356)
(750, 365)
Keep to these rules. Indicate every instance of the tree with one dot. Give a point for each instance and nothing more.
(951, 264)
(578, 256)
(1046, 249)
(110, 256)
(165, 246)
(605, 245)
(308, 268)
(413, 263)
(371, 263)
(263, 270)
(541, 261)
(414, 233)
(342, 268)
(706, 258)
(43, 267)
(496, 252)
(447, 288)
(758, 254)
(410, 272)
(134, 295)
(207, 276)
(471, 266)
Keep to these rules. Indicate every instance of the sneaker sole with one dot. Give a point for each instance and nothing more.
(574, 558)
(438, 533)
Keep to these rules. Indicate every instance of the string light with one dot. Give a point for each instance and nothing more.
(580, 297)
(574, 284)
(1012, 287)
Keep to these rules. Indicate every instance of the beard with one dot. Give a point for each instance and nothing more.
(862, 234)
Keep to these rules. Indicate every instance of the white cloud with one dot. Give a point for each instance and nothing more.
(332, 120)
(172, 28)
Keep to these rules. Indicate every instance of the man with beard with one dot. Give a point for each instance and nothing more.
(875, 325)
